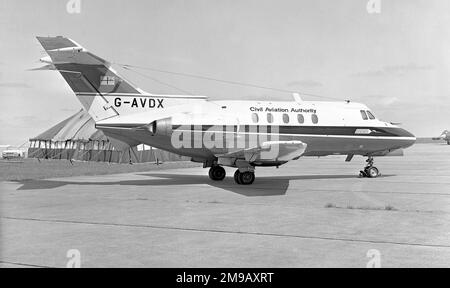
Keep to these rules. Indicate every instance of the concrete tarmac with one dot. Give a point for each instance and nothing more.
(313, 212)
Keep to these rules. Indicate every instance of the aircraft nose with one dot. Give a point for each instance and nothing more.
(410, 139)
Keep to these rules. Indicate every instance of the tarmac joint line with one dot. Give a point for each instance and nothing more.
(230, 232)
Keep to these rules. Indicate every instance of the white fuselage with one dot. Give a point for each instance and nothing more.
(326, 127)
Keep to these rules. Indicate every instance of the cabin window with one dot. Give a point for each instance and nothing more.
(371, 117)
(269, 117)
(285, 118)
(364, 115)
(314, 119)
(300, 118)
(255, 118)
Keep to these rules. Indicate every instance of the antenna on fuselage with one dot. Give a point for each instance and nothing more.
(297, 97)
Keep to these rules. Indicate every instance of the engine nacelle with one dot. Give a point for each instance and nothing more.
(162, 127)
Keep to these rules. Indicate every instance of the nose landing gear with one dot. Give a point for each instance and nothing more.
(370, 170)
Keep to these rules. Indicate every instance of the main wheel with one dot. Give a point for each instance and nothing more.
(246, 178)
(372, 172)
(237, 175)
(217, 173)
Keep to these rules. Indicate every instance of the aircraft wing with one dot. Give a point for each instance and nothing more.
(270, 151)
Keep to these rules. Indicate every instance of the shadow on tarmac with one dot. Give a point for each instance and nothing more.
(263, 186)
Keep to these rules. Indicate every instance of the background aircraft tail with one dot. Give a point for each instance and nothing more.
(444, 134)
(89, 76)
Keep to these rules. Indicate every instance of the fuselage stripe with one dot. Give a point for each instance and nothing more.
(311, 135)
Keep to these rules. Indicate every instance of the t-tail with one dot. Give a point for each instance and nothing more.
(90, 77)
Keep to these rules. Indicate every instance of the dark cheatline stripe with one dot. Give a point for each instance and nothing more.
(310, 130)
(121, 125)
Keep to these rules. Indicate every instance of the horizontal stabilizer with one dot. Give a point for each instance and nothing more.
(45, 67)
(54, 43)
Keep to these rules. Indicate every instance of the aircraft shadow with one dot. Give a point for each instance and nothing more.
(263, 186)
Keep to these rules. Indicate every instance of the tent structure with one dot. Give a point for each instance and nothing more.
(77, 138)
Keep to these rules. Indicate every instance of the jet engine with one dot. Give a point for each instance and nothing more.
(162, 127)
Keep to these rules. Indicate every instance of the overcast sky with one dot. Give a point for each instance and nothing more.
(397, 62)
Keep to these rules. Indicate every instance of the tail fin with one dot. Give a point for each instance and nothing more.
(89, 76)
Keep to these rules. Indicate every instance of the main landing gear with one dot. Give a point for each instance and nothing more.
(244, 178)
(217, 173)
(370, 170)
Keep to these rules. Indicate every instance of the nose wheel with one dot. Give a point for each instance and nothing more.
(244, 178)
(369, 171)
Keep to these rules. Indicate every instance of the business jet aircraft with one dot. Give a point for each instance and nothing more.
(444, 136)
(236, 133)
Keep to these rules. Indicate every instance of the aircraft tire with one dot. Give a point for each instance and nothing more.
(372, 172)
(217, 173)
(237, 175)
(246, 178)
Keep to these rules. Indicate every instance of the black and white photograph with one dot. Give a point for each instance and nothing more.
(244, 136)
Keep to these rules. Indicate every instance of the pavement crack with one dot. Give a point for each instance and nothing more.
(342, 239)
(24, 264)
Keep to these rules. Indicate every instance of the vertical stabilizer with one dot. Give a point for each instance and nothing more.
(89, 76)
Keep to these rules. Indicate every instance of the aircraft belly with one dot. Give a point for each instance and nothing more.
(326, 146)
(321, 146)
